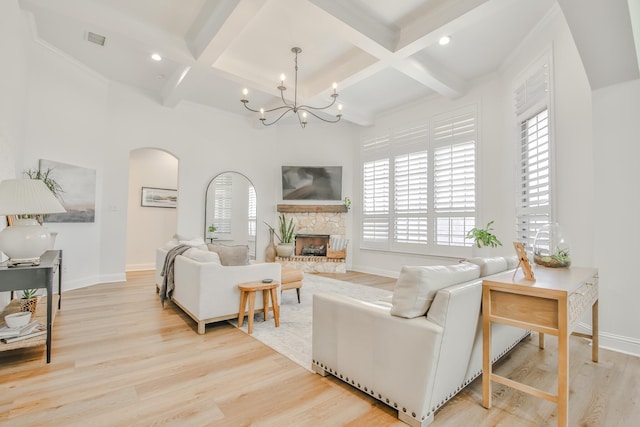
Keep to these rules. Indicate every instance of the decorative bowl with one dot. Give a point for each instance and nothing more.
(17, 320)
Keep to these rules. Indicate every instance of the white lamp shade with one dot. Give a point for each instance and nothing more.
(27, 196)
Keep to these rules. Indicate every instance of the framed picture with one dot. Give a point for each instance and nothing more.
(159, 197)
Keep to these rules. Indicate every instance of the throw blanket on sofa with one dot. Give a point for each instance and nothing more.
(167, 272)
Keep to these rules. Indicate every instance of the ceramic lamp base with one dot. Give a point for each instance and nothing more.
(24, 240)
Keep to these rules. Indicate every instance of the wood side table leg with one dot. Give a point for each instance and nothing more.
(486, 350)
(541, 340)
(276, 307)
(265, 303)
(594, 332)
(252, 304)
(243, 304)
(563, 367)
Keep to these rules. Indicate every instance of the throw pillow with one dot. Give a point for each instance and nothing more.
(231, 255)
(417, 286)
(199, 255)
(195, 242)
(489, 266)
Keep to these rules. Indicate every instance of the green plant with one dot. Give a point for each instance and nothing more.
(484, 237)
(286, 229)
(212, 228)
(347, 203)
(29, 293)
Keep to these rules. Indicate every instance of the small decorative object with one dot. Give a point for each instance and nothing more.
(523, 262)
(267, 280)
(550, 247)
(17, 320)
(270, 251)
(212, 228)
(29, 300)
(347, 203)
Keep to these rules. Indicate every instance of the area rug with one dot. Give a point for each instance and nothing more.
(293, 337)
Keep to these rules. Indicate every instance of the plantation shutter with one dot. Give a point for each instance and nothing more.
(532, 102)
(410, 193)
(454, 178)
(534, 192)
(375, 204)
(223, 203)
(252, 213)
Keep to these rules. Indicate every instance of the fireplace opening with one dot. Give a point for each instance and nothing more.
(312, 244)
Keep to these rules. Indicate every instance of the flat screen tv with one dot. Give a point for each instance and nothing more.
(311, 183)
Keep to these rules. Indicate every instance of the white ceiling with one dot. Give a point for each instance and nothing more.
(382, 53)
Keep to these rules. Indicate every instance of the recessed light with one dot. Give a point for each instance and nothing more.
(156, 57)
(444, 40)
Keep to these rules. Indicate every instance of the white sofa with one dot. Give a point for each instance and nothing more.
(415, 365)
(206, 290)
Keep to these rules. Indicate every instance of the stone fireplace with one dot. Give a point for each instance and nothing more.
(316, 227)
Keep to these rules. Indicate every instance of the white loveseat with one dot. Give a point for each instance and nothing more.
(415, 365)
(206, 290)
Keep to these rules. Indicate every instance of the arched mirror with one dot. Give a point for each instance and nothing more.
(230, 211)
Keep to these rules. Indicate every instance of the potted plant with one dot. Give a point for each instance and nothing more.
(29, 301)
(212, 228)
(286, 246)
(483, 238)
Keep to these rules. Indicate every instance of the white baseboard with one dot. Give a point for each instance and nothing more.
(618, 343)
(83, 282)
(140, 267)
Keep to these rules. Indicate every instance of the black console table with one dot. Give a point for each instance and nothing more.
(36, 277)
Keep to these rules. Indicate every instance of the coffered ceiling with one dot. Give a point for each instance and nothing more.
(382, 53)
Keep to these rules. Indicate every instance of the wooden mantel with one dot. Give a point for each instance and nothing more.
(312, 208)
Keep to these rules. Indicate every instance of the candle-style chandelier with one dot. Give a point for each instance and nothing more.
(301, 111)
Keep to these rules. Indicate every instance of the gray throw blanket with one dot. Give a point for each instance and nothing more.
(167, 272)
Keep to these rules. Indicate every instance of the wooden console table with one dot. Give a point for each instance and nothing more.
(36, 277)
(553, 304)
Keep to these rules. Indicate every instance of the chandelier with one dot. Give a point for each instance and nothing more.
(301, 111)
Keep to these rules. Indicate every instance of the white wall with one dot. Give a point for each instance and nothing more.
(13, 95)
(149, 227)
(617, 150)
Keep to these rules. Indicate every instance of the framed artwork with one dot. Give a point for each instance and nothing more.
(159, 197)
(78, 191)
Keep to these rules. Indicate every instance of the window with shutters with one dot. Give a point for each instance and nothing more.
(419, 186)
(252, 216)
(532, 104)
(223, 199)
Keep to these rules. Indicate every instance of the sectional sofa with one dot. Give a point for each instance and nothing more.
(416, 351)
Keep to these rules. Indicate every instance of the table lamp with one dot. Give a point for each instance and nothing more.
(25, 240)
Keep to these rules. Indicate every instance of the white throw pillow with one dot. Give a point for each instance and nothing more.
(489, 266)
(199, 255)
(417, 286)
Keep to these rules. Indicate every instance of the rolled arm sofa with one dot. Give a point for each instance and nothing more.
(412, 361)
(206, 290)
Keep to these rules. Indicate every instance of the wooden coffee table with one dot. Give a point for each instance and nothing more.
(248, 292)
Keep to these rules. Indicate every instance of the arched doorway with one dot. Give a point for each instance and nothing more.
(150, 226)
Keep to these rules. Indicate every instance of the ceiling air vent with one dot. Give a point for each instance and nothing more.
(96, 38)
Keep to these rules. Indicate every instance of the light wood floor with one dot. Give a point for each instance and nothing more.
(120, 360)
